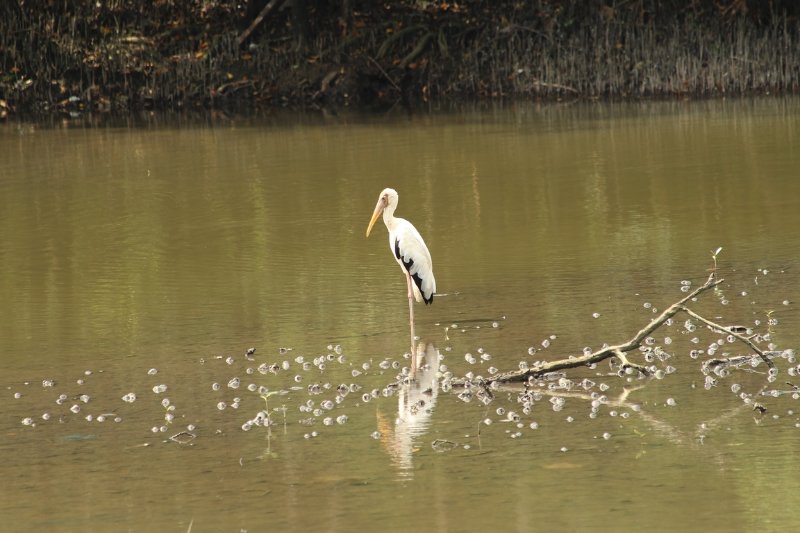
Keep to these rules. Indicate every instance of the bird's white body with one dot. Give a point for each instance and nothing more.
(411, 254)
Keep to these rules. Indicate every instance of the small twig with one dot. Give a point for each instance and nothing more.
(418, 49)
(233, 86)
(327, 80)
(624, 363)
(516, 27)
(558, 86)
(183, 437)
(719, 327)
(396, 36)
(385, 75)
(730, 362)
(256, 21)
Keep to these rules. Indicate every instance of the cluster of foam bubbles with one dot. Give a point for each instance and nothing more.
(74, 404)
(305, 390)
(308, 391)
(319, 393)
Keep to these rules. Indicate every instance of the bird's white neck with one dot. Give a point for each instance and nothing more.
(388, 215)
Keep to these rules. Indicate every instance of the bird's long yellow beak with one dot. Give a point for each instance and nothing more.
(375, 214)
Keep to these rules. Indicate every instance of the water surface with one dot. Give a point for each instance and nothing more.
(174, 244)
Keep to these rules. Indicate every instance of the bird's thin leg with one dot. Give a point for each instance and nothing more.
(411, 322)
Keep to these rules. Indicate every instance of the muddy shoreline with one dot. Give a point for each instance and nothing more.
(121, 56)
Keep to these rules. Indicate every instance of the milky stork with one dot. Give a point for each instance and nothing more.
(411, 254)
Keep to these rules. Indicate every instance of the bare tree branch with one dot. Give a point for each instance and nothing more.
(620, 351)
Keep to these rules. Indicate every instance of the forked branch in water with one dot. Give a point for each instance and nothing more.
(620, 351)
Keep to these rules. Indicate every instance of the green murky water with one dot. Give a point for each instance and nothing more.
(144, 255)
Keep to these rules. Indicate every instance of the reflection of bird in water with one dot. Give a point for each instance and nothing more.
(416, 400)
(411, 254)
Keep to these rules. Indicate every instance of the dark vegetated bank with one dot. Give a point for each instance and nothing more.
(125, 54)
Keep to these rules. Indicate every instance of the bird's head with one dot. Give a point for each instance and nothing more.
(387, 200)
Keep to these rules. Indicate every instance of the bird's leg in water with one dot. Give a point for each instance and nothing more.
(411, 322)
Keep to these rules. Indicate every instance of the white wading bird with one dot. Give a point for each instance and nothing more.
(411, 254)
